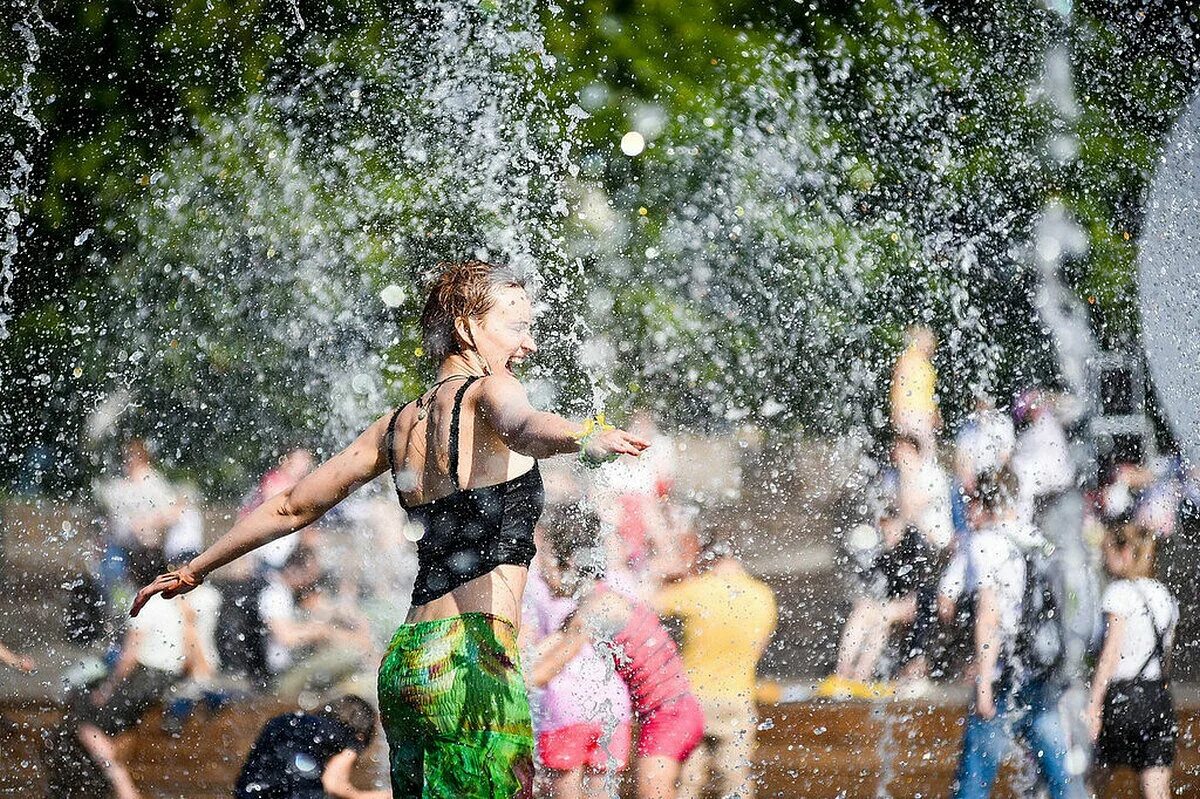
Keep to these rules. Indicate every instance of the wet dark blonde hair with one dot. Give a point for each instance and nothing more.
(461, 290)
(1139, 541)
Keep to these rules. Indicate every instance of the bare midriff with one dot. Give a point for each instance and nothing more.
(498, 592)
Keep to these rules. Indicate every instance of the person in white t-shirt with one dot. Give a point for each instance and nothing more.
(158, 650)
(1006, 704)
(304, 652)
(1131, 715)
(146, 513)
(1042, 456)
(984, 443)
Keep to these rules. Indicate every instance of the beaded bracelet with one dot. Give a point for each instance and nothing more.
(591, 428)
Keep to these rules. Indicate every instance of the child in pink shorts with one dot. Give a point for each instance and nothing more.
(581, 714)
(670, 720)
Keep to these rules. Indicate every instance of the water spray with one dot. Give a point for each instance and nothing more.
(18, 141)
(1057, 239)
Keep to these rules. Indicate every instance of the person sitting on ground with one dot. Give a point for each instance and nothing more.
(582, 714)
(311, 755)
(1131, 715)
(306, 653)
(159, 650)
(897, 592)
(670, 720)
(241, 633)
(728, 617)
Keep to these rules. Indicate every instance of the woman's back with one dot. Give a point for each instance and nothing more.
(1151, 613)
(424, 434)
(476, 500)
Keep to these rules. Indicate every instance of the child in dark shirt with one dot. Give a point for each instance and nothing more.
(310, 755)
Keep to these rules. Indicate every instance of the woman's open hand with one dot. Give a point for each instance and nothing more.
(606, 446)
(170, 585)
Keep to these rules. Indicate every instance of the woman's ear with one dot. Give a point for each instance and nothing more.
(465, 332)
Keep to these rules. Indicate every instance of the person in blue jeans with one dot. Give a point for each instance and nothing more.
(1007, 705)
(1031, 714)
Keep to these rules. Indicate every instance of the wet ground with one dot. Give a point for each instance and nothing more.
(807, 750)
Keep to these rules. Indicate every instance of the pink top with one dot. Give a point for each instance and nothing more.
(588, 690)
(648, 660)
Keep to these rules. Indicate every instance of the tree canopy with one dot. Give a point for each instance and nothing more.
(733, 208)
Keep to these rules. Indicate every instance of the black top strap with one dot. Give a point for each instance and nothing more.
(455, 418)
(1159, 638)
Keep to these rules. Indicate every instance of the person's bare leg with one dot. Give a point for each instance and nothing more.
(854, 634)
(600, 784)
(877, 636)
(731, 760)
(915, 669)
(1156, 782)
(566, 784)
(102, 751)
(1098, 781)
(656, 777)
(694, 773)
(900, 611)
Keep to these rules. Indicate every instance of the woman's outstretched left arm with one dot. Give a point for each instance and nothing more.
(539, 434)
(284, 513)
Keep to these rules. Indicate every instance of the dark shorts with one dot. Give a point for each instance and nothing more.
(131, 698)
(1139, 725)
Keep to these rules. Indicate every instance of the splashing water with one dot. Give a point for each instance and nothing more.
(17, 139)
(295, 4)
(749, 250)
(1057, 238)
(886, 750)
(278, 254)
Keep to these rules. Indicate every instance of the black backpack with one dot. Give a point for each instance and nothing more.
(1040, 646)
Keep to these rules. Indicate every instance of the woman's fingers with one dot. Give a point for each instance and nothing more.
(165, 584)
(627, 443)
(619, 442)
(143, 596)
(626, 447)
(638, 442)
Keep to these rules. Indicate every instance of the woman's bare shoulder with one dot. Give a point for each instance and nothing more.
(499, 386)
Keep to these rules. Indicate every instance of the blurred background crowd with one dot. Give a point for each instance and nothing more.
(626, 556)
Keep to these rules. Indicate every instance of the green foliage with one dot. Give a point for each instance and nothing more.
(922, 127)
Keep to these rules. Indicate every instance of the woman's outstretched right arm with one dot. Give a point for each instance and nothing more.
(284, 513)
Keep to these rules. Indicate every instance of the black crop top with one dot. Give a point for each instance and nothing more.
(474, 530)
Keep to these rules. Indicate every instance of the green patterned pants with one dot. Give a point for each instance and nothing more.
(455, 711)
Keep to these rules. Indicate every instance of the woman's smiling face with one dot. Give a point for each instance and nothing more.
(503, 336)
